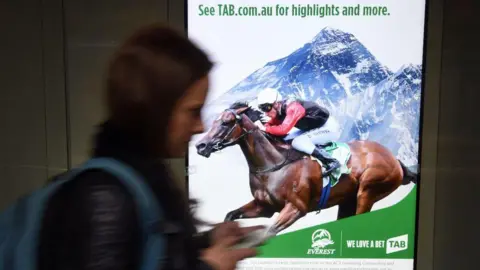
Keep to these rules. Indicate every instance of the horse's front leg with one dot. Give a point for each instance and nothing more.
(253, 209)
(287, 217)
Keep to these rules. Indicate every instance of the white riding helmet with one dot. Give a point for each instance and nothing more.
(268, 95)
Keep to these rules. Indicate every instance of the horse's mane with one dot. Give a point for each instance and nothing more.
(239, 104)
(250, 112)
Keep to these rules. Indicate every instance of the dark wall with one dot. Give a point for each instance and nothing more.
(92, 31)
(458, 181)
(32, 102)
(52, 61)
(53, 57)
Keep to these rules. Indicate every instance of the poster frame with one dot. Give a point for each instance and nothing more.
(429, 118)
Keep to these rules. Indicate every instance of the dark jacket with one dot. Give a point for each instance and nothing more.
(91, 222)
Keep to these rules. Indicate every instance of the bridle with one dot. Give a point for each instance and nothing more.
(223, 143)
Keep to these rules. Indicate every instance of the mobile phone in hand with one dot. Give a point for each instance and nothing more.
(254, 239)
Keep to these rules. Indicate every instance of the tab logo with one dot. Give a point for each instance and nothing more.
(397, 244)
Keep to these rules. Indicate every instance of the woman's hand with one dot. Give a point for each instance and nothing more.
(230, 228)
(221, 256)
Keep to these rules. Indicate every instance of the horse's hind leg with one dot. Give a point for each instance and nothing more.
(372, 184)
(364, 203)
(375, 184)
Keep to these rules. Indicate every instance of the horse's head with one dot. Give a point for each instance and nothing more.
(228, 129)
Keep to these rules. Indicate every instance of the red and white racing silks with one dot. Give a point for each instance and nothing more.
(294, 112)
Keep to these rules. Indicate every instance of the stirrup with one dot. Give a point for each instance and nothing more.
(333, 168)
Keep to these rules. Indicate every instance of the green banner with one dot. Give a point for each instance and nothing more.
(384, 234)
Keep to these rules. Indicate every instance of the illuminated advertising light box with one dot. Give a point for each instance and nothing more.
(312, 128)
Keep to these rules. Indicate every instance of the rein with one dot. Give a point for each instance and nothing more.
(275, 167)
(223, 144)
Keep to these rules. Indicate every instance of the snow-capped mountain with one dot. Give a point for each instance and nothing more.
(389, 114)
(334, 69)
(332, 66)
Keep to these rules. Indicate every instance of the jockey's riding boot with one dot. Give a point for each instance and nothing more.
(330, 163)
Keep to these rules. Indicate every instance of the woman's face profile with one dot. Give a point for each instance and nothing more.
(186, 119)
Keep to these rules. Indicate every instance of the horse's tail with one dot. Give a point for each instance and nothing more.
(408, 175)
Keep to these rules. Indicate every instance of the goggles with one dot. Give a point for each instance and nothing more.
(266, 107)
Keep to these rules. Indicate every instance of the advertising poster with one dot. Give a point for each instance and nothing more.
(312, 128)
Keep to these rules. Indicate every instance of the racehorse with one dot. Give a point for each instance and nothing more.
(285, 180)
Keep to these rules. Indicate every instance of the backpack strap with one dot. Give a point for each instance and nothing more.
(150, 214)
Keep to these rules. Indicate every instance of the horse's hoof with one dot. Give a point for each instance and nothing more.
(231, 216)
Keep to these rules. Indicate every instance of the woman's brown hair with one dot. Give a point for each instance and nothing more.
(147, 76)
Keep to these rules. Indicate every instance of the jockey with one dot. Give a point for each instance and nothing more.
(313, 120)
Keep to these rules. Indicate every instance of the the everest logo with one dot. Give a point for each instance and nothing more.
(320, 239)
(397, 244)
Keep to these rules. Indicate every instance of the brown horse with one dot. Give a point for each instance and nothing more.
(287, 181)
